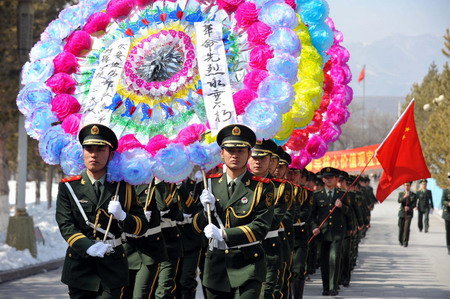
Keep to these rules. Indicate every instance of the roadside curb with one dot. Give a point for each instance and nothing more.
(29, 270)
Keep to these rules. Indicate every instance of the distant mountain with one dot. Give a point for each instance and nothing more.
(394, 63)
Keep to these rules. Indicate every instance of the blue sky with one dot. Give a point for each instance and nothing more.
(369, 20)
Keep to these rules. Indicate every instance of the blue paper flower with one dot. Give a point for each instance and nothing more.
(285, 40)
(278, 14)
(262, 116)
(37, 71)
(72, 162)
(51, 144)
(32, 95)
(39, 121)
(136, 166)
(113, 171)
(279, 92)
(172, 164)
(197, 154)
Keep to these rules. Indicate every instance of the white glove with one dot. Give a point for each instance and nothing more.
(148, 214)
(186, 216)
(207, 197)
(98, 249)
(213, 232)
(115, 209)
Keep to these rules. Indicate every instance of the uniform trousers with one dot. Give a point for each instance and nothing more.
(424, 218)
(102, 293)
(404, 229)
(329, 263)
(250, 290)
(142, 282)
(166, 279)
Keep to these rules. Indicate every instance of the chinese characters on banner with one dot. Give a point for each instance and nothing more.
(213, 69)
(104, 83)
(352, 160)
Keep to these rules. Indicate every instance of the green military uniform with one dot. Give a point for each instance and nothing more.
(445, 201)
(246, 217)
(167, 201)
(82, 215)
(193, 243)
(145, 252)
(405, 217)
(332, 232)
(235, 264)
(86, 272)
(425, 202)
(303, 204)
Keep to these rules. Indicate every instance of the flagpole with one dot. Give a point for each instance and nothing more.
(364, 98)
(395, 125)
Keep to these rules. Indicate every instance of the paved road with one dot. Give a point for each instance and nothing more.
(385, 269)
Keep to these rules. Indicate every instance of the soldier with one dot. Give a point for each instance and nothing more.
(408, 201)
(94, 268)
(425, 202)
(193, 243)
(146, 252)
(258, 164)
(445, 203)
(166, 195)
(332, 233)
(241, 204)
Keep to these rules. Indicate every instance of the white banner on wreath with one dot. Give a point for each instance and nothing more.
(213, 69)
(104, 83)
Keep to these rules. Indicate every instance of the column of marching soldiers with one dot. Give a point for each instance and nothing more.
(167, 259)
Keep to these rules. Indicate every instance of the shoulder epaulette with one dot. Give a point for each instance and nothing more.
(72, 178)
(260, 179)
(215, 175)
(319, 191)
(279, 180)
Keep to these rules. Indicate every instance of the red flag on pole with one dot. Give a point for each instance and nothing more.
(401, 156)
(362, 74)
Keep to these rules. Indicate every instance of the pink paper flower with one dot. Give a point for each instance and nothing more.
(65, 62)
(229, 6)
(254, 78)
(190, 134)
(97, 22)
(259, 56)
(119, 9)
(257, 33)
(78, 43)
(62, 83)
(63, 105)
(246, 14)
(156, 143)
(128, 142)
(71, 124)
(242, 98)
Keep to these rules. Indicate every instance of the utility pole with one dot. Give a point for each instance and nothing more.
(20, 234)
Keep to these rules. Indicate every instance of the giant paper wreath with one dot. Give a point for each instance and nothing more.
(134, 65)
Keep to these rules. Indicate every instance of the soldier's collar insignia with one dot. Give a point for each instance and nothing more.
(236, 131)
(83, 201)
(83, 182)
(95, 130)
(247, 183)
(244, 200)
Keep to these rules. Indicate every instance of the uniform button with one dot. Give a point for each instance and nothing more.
(226, 251)
(330, 204)
(330, 223)
(178, 235)
(331, 217)
(99, 225)
(123, 254)
(243, 211)
(303, 230)
(255, 255)
(284, 238)
(70, 254)
(273, 244)
(157, 238)
(97, 238)
(289, 233)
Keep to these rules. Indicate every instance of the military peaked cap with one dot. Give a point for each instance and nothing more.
(236, 136)
(264, 147)
(97, 134)
(329, 171)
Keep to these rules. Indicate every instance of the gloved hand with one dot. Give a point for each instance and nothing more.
(148, 214)
(186, 216)
(213, 232)
(207, 197)
(115, 209)
(98, 249)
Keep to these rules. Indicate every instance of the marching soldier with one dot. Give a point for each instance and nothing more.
(242, 212)
(193, 243)
(425, 202)
(145, 252)
(95, 266)
(334, 228)
(408, 201)
(445, 203)
(170, 210)
(259, 165)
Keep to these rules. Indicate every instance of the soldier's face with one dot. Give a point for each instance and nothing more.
(96, 157)
(280, 171)
(273, 164)
(235, 158)
(423, 185)
(330, 181)
(259, 165)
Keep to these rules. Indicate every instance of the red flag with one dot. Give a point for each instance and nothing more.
(401, 156)
(362, 74)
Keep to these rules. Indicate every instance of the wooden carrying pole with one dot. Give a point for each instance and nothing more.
(208, 206)
(111, 216)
